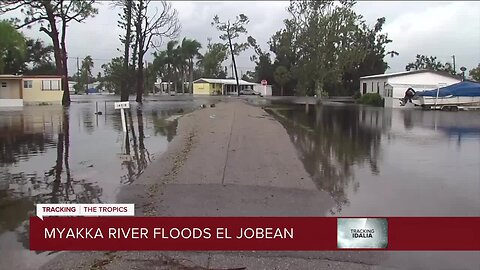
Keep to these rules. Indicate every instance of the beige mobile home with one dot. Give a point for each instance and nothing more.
(17, 90)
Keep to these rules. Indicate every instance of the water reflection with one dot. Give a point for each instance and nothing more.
(401, 158)
(137, 160)
(46, 159)
(330, 142)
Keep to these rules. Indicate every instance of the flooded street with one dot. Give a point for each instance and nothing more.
(380, 162)
(371, 161)
(52, 155)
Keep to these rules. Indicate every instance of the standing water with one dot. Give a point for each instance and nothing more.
(49, 154)
(384, 162)
(380, 162)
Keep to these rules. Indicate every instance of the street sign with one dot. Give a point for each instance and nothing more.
(122, 105)
(264, 82)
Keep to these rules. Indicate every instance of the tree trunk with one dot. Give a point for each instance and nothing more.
(183, 81)
(123, 87)
(66, 90)
(281, 90)
(140, 81)
(190, 75)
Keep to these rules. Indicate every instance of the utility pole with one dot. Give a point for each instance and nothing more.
(233, 57)
(453, 58)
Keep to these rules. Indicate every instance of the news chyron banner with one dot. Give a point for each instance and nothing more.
(115, 227)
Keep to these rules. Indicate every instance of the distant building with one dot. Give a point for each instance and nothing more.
(71, 86)
(17, 90)
(392, 86)
(206, 86)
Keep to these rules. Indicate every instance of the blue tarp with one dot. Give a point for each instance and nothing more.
(461, 89)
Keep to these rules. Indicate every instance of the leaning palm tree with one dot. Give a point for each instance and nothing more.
(190, 50)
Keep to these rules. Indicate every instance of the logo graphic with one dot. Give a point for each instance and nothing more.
(362, 232)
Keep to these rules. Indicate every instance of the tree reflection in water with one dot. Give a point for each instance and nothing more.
(25, 189)
(331, 140)
(136, 164)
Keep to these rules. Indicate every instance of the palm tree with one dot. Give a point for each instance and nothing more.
(87, 65)
(180, 66)
(190, 51)
(170, 60)
(160, 65)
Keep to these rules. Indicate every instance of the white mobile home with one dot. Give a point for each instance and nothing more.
(392, 86)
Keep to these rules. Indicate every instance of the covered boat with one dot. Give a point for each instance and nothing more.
(462, 95)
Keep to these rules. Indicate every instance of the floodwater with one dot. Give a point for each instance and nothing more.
(383, 162)
(372, 161)
(52, 155)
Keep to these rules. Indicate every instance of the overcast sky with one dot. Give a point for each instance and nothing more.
(441, 29)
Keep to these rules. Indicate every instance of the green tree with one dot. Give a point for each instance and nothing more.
(12, 48)
(114, 73)
(210, 64)
(264, 67)
(372, 41)
(36, 60)
(171, 62)
(286, 51)
(160, 64)
(323, 35)
(125, 23)
(475, 73)
(54, 18)
(232, 31)
(282, 77)
(86, 71)
(429, 62)
(179, 66)
(39, 58)
(190, 50)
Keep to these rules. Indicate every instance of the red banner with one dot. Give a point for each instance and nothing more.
(252, 233)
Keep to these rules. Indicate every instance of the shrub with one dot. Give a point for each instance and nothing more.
(372, 99)
(357, 95)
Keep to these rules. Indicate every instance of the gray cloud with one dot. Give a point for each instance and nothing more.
(441, 28)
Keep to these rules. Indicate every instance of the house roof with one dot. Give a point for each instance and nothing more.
(12, 77)
(41, 76)
(223, 81)
(403, 73)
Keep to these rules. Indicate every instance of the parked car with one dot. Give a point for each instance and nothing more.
(249, 92)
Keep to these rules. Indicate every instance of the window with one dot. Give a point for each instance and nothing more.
(50, 85)
(364, 90)
(4, 84)
(27, 84)
(378, 88)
